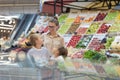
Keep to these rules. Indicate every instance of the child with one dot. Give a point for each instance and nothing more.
(38, 54)
(60, 54)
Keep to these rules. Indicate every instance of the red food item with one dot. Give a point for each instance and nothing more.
(74, 40)
(100, 17)
(77, 55)
(81, 30)
(95, 44)
(103, 29)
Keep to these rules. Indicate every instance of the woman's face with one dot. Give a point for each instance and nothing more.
(52, 27)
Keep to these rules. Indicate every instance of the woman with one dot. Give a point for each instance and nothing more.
(52, 39)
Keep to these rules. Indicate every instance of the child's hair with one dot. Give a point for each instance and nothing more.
(63, 51)
(33, 38)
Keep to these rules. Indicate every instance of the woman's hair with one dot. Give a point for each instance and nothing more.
(55, 17)
(63, 51)
(33, 38)
(54, 20)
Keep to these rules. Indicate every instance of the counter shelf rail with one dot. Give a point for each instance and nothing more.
(82, 71)
(27, 73)
(53, 72)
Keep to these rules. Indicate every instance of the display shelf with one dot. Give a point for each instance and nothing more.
(75, 24)
(115, 44)
(117, 69)
(109, 42)
(110, 71)
(83, 28)
(77, 19)
(78, 54)
(87, 25)
(68, 22)
(62, 18)
(84, 67)
(88, 19)
(93, 28)
(63, 29)
(103, 28)
(8, 25)
(114, 28)
(100, 70)
(41, 24)
(76, 68)
(95, 43)
(82, 16)
(83, 43)
(111, 16)
(90, 16)
(72, 28)
(74, 40)
(67, 38)
(117, 19)
(101, 16)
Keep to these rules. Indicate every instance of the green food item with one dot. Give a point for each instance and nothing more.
(62, 18)
(103, 58)
(111, 15)
(88, 54)
(109, 41)
(83, 43)
(114, 28)
(69, 20)
(94, 56)
(80, 44)
(63, 29)
(93, 28)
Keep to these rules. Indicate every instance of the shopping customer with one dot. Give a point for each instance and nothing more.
(60, 54)
(37, 54)
(52, 39)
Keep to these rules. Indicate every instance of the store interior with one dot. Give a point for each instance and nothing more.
(91, 33)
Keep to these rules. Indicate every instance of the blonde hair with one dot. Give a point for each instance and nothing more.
(33, 38)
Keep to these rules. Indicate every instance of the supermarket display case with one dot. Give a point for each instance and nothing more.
(88, 33)
(84, 69)
(72, 69)
(8, 24)
(92, 33)
(15, 66)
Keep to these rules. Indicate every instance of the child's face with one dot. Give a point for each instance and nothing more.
(55, 52)
(39, 41)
